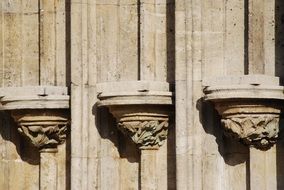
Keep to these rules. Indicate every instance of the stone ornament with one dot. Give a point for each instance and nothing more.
(260, 132)
(44, 132)
(141, 109)
(41, 113)
(148, 131)
(249, 107)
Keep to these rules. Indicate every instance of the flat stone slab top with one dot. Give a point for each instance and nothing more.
(243, 87)
(34, 97)
(133, 93)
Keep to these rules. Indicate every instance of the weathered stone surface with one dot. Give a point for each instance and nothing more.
(148, 131)
(138, 58)
(249, 107)
(44, 132)
(260, 131)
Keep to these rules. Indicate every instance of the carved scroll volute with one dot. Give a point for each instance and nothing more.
(148, 130)
(43, 130)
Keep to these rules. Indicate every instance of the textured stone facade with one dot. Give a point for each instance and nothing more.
(141, 94)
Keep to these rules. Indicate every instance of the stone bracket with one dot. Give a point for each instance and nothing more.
(43, 130)
(141, 108)
(147, 130)
(249, 107)
(41, 113)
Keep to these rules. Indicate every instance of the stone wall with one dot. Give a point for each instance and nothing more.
(32, 53)
(187, 45)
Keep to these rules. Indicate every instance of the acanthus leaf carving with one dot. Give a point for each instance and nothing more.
(147, 130)
(44, 130)
(259, 131)
(146, 134)
(44, 136)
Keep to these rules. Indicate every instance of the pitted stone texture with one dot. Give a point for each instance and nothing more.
(34, 97)
(134, 92)
(243, 87)
(253, 122)
(249, 106)
(258, 131)
(44, 130)
(148, 131)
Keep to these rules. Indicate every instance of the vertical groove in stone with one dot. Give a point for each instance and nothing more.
(207, 149)
(256, 37)
(60, 43)
(85, 139)
(183, 65)
(94, 139)
(246, 34)
(2, 45)
(12, 43)
(263, 169)
(160, 40)
(139, 39)
(261, 37)
(147, 39)
(269, 37)
(77, 174)
(30, 42)
(234, 37)
(47, 42)
(149, 173)
(153, 40)
(48, 171)
(127, 40)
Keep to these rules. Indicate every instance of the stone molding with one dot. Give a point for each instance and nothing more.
(249, 107)
(34, 97)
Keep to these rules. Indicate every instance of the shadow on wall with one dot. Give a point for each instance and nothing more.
(106, 126)
(9, 133)
(280, 154)
(171, 43)
(279, 39)
(171, 154)
(279, 71)
(171, 157)
(68, 43)
(233, 152)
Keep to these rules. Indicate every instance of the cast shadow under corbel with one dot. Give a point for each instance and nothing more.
(9, 133)
(106, 127)
(232, 151)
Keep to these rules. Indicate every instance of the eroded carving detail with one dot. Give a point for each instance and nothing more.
(44, 132)
(258, 131)
(147, 131)
(44, 136)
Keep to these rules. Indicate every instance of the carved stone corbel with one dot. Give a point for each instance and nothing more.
(41, 113)
(141, 109)
(254, 123)
(249, 107)
(43, 129)
(148, 130)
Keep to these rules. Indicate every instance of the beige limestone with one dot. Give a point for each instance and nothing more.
(33, 53)
(146, 55)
